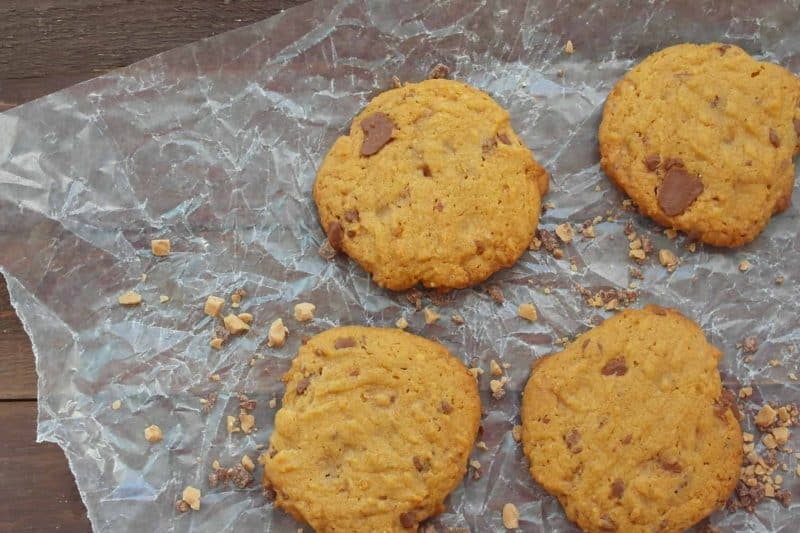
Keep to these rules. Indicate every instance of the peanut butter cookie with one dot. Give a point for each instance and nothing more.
(702, 138)
(374, 432)
(630, 427)
(431, 186)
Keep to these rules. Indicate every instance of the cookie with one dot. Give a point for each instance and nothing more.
(374, 432)
(630, 427)
(432, 186)
(702, 138)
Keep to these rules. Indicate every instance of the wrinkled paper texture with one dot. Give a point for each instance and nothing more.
(215, 146)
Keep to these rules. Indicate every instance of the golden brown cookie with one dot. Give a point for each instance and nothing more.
(431, 186)
(702, 138)
(374, 432)
(630, 428)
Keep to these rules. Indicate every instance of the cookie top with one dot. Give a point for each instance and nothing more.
(431, 186)
(630, 428)
(702, 138)
(374, 432)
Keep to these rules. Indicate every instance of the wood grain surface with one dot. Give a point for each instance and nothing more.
(48, 45)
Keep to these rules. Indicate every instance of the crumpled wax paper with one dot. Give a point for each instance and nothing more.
(215, 146)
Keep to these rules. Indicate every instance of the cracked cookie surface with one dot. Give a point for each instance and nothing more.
(374, 431)
(431, 186)
(702, 138)
(630, 427)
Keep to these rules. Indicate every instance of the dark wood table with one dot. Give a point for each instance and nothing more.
(46, 45)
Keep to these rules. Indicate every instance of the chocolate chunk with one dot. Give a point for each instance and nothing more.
(489, 145)
(446, 407)
(548, 240)
(615, 367)
(408, 520)
(378, 128)
(479, 247)
(439, 72)
(344, 342)
(426, 171)
(503, 138)
(673, 467)
(270, 495)
(773, 138)
(660, 311)
(617, 488)
(421, 464)
(335, 234)
(678, 191)
(585, 344)
(796, 123)
(673, 162)
(438, 206)
(715, 101)
(722, 49)
(414, 297)
(652, 161)
(302, 385)
(352, 216)
(573, 440)
(627, 439)
(726, 401)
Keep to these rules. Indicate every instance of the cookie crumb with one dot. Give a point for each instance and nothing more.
(745, 392)
(496, 294)
(160, 247)
(246, 421)
(213, 306)
(516, 433)
(236, 297)
(192, 497)
(231, 424)
(153, 434)
(248, 463)
(304, 311)
(637, 254)
(277, 334)
(476, 372)
(401, 323)
(588, 232)
(497, 386)
(750, 345)
(215, 377)
(216, 343)
(431, 316)
(458, 320)
(116, 404)
(510, 516)
(528, 312)
(130, 298)
(273, 402)
(745, 265)
(181, 506)
(247, 318)
(439, 72)
(781, 435)
(481, 445)
(535, 244)
(766, 416)
(565, 232)
(495, 369)
(667, 259)
(235, 325)
(779, 280)
(569, 47)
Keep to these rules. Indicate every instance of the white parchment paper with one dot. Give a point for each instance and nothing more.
(215, 146)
